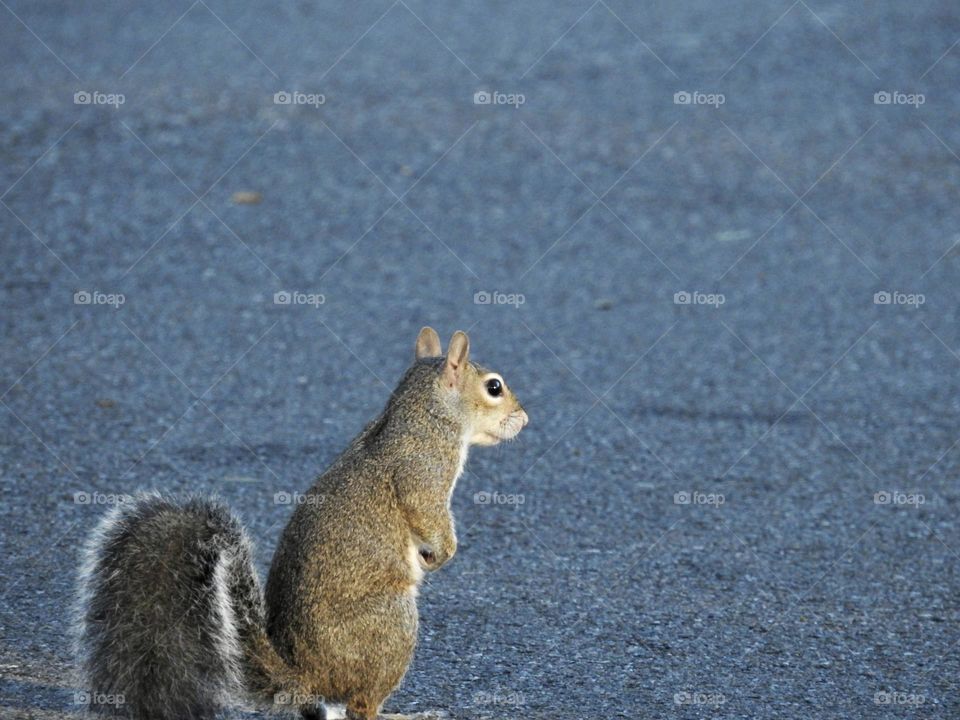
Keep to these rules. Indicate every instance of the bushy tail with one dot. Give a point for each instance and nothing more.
(171, 622)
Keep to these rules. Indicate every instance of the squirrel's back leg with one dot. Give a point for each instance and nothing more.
(388, 652)
(353, 653)
(361, 709)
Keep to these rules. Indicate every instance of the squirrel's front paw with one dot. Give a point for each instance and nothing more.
(432, 559)
(429, 559)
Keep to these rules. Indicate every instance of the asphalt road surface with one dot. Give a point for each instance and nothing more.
(712, 246)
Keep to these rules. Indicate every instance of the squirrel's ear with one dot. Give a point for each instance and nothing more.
(428, 344)
(458, 352)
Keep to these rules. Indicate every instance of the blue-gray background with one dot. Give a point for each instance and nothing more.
(598, 199)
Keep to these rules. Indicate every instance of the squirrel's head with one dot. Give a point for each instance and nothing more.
(489, 410)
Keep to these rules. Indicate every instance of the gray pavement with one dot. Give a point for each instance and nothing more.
(737, 495)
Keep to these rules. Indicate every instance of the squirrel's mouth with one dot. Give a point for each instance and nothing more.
(507, 429)
(512, 425)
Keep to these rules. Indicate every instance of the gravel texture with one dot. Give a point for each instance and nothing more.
(778, 403)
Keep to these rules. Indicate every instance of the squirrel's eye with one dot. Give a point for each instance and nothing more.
(494, 387)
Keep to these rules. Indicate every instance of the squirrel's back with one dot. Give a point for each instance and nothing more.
(185, 655)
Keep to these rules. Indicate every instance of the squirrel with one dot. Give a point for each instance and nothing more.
(173, 623)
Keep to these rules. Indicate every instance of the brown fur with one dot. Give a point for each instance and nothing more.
(341, 595)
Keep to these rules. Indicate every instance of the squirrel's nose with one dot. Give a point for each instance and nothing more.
(523, 417)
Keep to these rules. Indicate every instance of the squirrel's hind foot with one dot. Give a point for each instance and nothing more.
(316, 712)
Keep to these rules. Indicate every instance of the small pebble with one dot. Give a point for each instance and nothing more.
(247, 197)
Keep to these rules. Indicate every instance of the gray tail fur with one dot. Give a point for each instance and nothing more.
(171, 614)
